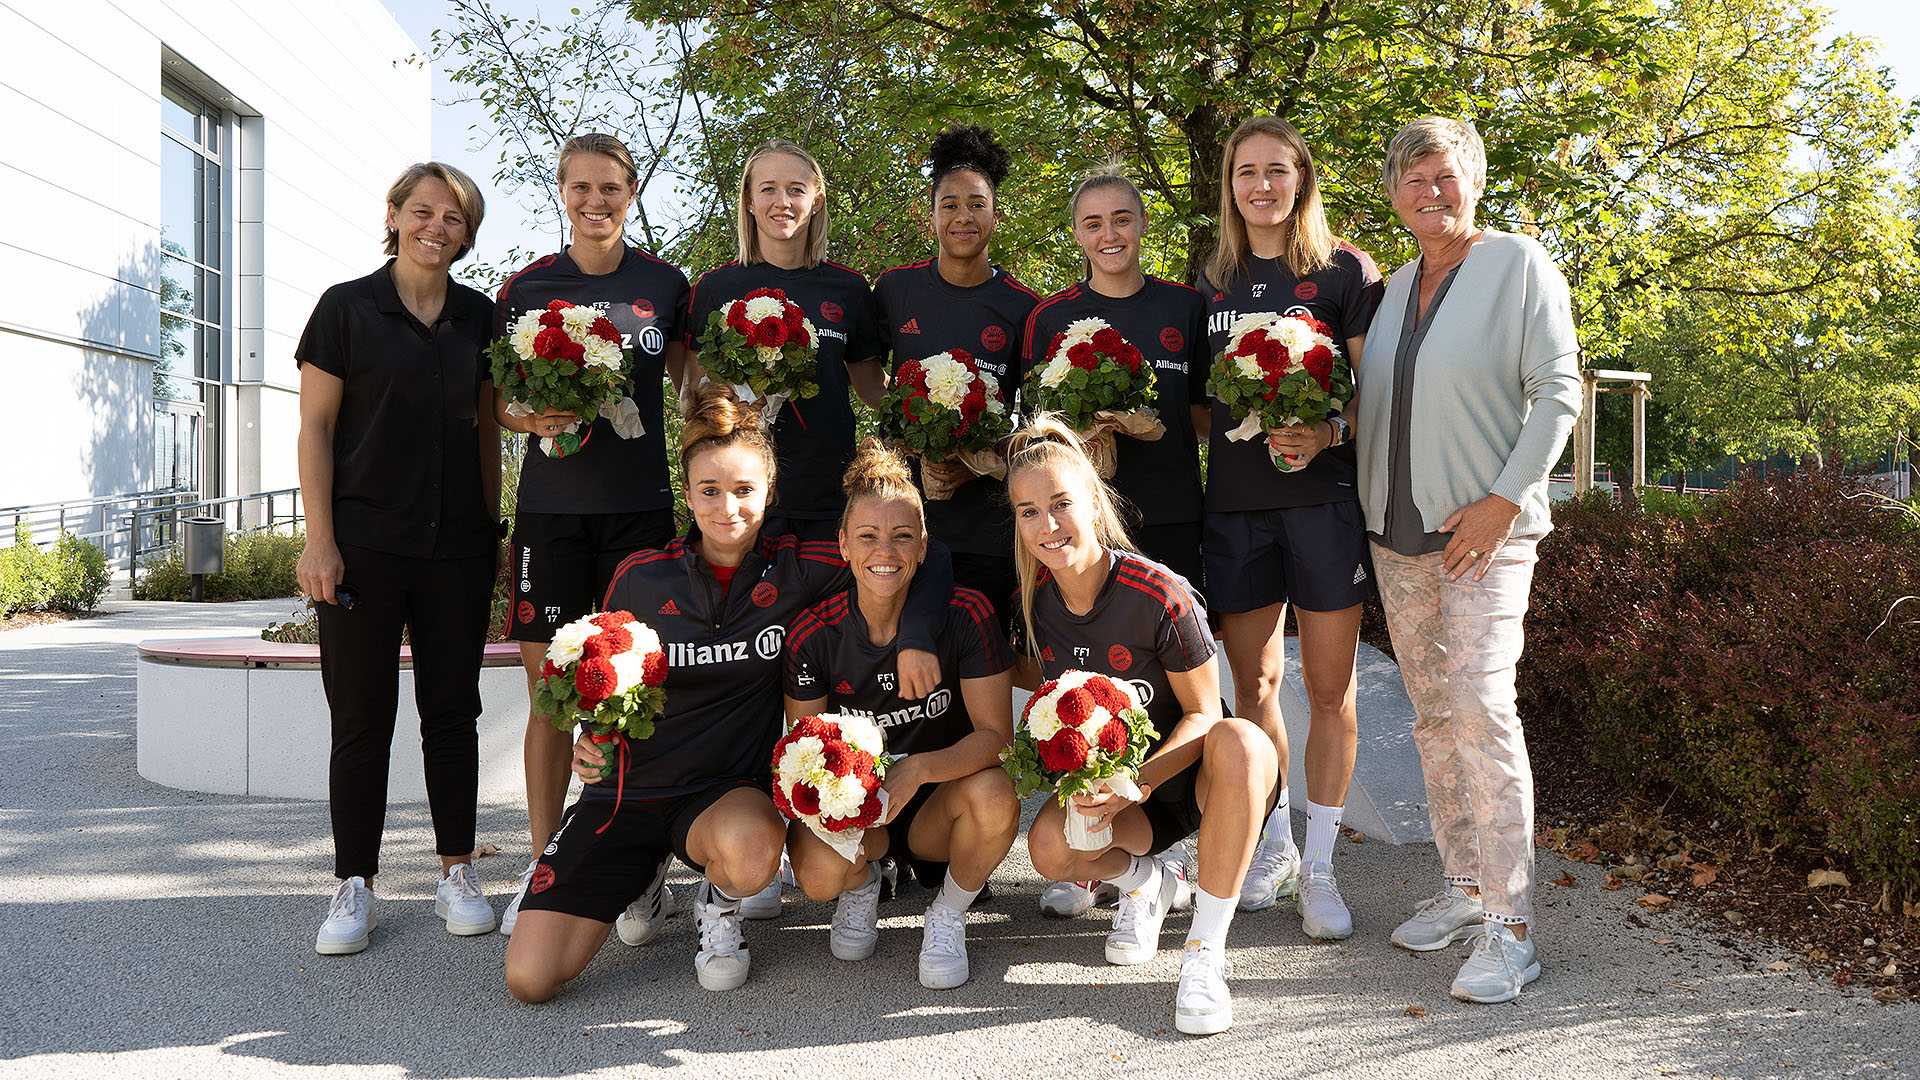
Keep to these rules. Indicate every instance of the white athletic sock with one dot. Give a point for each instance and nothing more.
(1323, 825)
(720, 899)
(954, 896)
(1211, 917)
(1280, 824)
(1143, 870)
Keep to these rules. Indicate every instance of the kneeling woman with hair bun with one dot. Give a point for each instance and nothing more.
(1089, 603)
(951, 811)
(698, 788)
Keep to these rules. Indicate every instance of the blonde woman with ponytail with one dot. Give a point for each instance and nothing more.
(951, 813)
(1273, 538)
(720, 599)
(1090, 603)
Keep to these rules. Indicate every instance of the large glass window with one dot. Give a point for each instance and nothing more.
(186, 380)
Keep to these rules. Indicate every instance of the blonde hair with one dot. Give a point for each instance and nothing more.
(1047, 442)
(747, 234)
(1110, 175)
(466, 194)
(717, 419)
(594, 142)
(1306, 241)
(1435, 135)
(879, 472)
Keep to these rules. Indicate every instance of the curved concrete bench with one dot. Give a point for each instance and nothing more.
(242, 716)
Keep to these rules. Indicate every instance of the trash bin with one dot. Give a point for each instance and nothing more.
(206, 548)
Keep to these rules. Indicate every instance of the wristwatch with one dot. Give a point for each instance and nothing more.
(1342, 431)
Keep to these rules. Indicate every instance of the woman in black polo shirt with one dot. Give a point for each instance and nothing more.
(400, 474)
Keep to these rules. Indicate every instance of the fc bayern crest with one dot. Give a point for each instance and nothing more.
(830, 311)
(524, 611)
(1119, 658)
(764, 594)
(643, 308)
(1171, 339)
(993, 338)
(1306, 290)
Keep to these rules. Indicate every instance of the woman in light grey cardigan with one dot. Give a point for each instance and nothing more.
(1467, 391)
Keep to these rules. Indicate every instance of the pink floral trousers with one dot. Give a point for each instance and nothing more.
(1457, 643)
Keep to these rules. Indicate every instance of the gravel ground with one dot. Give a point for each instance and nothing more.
(149, 932)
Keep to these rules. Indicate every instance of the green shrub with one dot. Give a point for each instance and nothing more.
(80, 576)
(1754, 656)
(26, 575)
(259, 566)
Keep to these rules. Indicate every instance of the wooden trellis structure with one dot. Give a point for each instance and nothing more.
(1593, 383)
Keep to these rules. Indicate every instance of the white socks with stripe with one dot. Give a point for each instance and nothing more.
(1211, 917)
(1143, 870)
(1323, 826)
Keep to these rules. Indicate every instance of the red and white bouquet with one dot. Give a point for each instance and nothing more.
(604, 672)
(1079, 733)
(827, 772)
(566, 357)
(1100, 383)
(942, 406)
(763, 345)
(1279, 370)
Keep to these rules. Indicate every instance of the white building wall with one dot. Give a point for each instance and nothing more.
(327, 104)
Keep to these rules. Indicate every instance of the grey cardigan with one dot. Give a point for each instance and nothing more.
(1497, 386)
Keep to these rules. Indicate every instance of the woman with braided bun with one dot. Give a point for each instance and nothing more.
(721, 599)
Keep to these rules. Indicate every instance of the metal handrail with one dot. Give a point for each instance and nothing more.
(35, 517)
(147, 535)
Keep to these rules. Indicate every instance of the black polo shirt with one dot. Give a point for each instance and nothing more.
(406, 443)
(922, 314)
(1167, 322)
(1240, 475)
(813, 439)
(646, 300)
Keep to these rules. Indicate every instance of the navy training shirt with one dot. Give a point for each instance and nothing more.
(1167, 322)
(813, 439)
(1145, 622)
(1240, 475)
(922, 314)
(646, 299)
(831, 654)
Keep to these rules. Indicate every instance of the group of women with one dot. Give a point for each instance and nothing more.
(816, 577)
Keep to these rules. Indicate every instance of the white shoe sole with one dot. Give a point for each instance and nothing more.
(1527, 976)
(733, 980)
(943, 980)
(753, 907)
(1212, 1023)
(1464, 933)
(637, 933)
(852, 952)
(1327, 935)
(346, 948)
(464, 929)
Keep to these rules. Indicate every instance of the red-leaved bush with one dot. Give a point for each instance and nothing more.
(1750, 654)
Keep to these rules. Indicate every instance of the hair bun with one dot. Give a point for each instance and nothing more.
(876, 467)
(973, 147)
(716, 412)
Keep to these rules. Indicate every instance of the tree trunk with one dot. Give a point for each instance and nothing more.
(1203, 130)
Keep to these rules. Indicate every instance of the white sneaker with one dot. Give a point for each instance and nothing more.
(642, 920)
(1274, 873)
(1202, 1005)
(1323, 914)
(1136, 921)
(765, 904)
(460, 901)
(350, 920)
(1439, 921)
(1500, 965)
(723, 961)
(943, 948)
(1065, 899)
(511, 916)
(856, 920)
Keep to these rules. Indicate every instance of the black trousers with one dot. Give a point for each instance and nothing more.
(446, 604)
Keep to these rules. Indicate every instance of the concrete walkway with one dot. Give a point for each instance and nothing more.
(147, 932)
